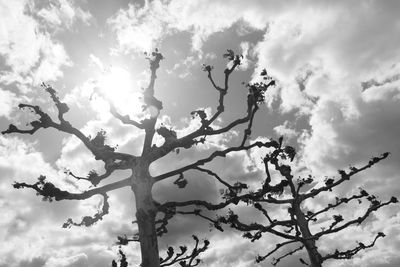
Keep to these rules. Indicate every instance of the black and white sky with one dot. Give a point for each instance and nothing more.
(337, 100)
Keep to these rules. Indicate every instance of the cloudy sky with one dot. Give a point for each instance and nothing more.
(337, 100)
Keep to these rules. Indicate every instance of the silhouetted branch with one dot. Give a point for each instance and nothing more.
(339, 201)
(214, 155)
(277, 247)
(93, 177)
(256, 93)
(183, 258)
(247, 131)
(277, 260)
(304, 262)
(208, 69)
(222, 92)
(345, 176)
(124, 240)
(90, 220)
(125, 119)
(213, 174)
(233, 220)
(348, 254)
(50, 192)
(161, 224)
(99, 149)
(150, 101)
(122, 260)
(62, 108)
(374, 207)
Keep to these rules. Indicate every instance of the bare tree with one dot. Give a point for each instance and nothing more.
(302, 226)
(140, 180)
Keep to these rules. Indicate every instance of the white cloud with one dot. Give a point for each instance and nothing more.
(286, 130)
(30, 54)
(62, 13)
(69, 261)
(54, 57)
(140, 29)
(15, 152)
(8, 101)
(20, 44)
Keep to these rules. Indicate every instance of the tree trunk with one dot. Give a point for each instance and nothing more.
(313, 254)
(312, 250)
(145, 216)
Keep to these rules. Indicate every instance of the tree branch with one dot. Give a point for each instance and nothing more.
(344, 176)
(215, 154)
(278, 246)
(256, 96)
(50, 192)
(213, 174)
(233, 220)
(348, 254)
(222, 92)
(99, 149)
(90, 220)
(374, 206)
(93, 177)
(125, 119)
(184, 259)
(338, 203)
(277, 260)
(150, 101)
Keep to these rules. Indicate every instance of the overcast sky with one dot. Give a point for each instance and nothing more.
(337, 100)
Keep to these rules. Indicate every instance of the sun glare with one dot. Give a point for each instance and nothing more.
(116, 86)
